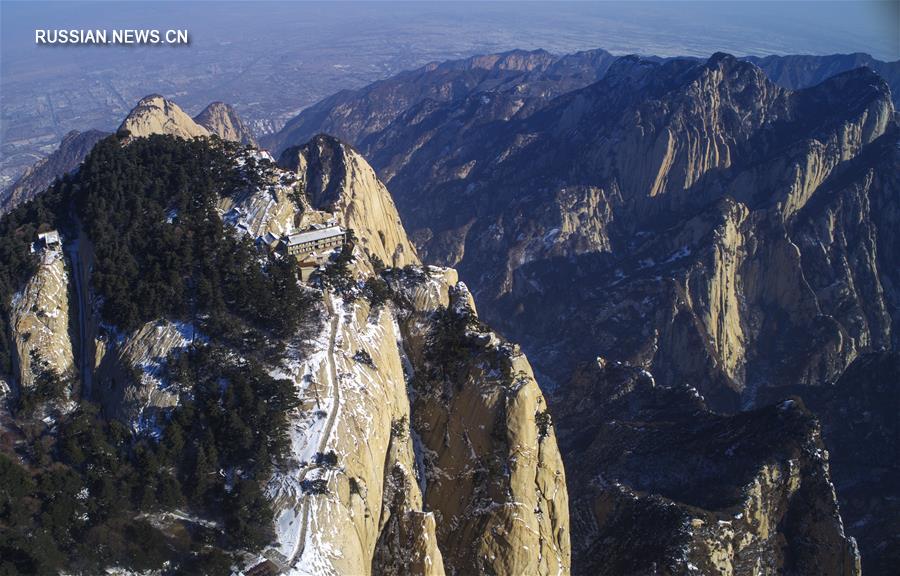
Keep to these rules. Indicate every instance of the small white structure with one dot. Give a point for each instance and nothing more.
(50, 239)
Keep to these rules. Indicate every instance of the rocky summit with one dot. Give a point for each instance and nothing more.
(156, 115)
(222, 120)
(241, 416)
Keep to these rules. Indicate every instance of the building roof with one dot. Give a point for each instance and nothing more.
(314, 235)
(51, 237)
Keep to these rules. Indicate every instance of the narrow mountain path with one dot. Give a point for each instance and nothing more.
(326, 432)
(78, 251)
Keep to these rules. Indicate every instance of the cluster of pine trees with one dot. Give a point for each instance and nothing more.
(82, 495)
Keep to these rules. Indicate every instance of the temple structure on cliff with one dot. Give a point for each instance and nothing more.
(317, 240)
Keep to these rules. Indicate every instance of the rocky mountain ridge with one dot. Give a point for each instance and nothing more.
(683, 490)
(690, 218)
(72, 150)
(536, 74)
(358, 115)
(415, 439)
(722, 241)
(355, 115)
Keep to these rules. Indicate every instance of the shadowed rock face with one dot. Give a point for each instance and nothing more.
(673, 488)
(864, 404)
(801, 71)
(354, 115)
(72, 150)
(860, 429)
(677, 206)
(525, 80)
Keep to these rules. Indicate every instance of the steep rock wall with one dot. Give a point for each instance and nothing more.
(337, 179)
(494, 477)
(40, 324)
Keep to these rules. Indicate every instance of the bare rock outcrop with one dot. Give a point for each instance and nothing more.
(399, 481)
(493, 474)
(337, 179)
(353, 441)
(129, 379)
(157, 115)
(223, 120)
(371, 476)
(40, 326)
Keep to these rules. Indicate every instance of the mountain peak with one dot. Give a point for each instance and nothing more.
(720, 58)
(856, 91)
(222, 119)
(338, 179)
(154, 114)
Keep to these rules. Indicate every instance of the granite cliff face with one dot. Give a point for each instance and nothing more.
(715, 154)
(423, 484)
(337, 179)
(492, 471)
(221, 119)
(417, 445)
(436, 480)
(694, 219)
(40, 327)
(156, 115)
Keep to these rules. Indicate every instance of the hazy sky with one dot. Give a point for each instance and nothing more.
(663, 28)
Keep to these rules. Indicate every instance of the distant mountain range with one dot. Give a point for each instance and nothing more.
(727, 224)
(355, 114)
